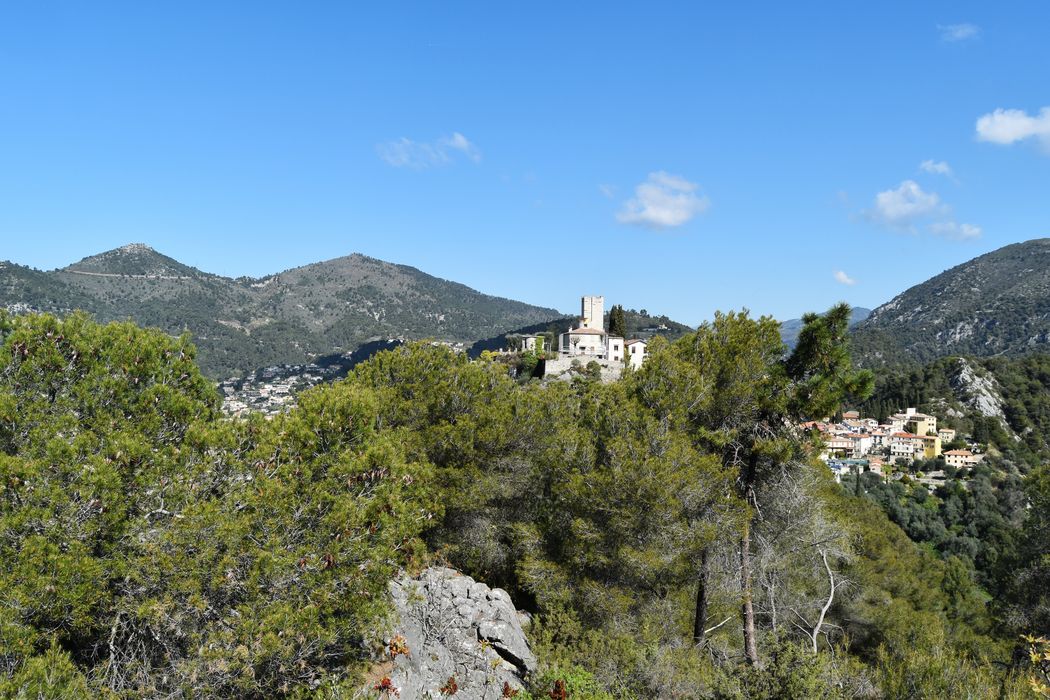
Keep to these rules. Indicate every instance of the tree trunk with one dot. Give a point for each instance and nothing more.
(747, 610)
(700, 617)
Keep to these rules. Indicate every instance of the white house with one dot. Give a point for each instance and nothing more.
(616, 348)
(861, 443)
(906, 450)
(961, 458)
(635, 350)
(836, 445)
(896, 423)
(590, 342)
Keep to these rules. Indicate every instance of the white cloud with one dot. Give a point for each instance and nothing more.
(955, 231)
(958, 32)
(663, 201)
(459, 142)
(406, 153)
(842, 278)
(903, 206)
(908, 206)
(1006, 126)
(937, 167)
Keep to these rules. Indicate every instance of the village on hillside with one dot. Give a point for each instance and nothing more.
(270, 390)
(863, 444)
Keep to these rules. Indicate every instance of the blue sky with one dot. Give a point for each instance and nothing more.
(678, 157)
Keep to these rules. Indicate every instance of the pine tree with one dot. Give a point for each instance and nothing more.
(732, 389)
(617, 322)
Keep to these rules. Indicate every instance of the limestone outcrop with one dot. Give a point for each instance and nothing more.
(453, 631)
(979, 392)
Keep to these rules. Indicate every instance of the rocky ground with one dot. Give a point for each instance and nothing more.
(453, 633)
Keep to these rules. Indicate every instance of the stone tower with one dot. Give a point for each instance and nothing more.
(592, 313)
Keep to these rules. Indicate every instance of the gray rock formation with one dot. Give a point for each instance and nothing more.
(453, 627)
(979, 392)
(982, 393)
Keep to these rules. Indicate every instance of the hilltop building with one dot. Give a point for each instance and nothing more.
(592, 314)
(589, 340)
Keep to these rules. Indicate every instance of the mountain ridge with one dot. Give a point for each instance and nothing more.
(289, 316)
(995, 304)
(790, 329)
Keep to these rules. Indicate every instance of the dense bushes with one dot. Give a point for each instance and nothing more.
(165, 551)
(149, 547)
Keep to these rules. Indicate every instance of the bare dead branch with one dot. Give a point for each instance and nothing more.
(712, 629)
(827, 605)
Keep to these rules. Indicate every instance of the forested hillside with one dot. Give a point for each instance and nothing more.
(975, 519)
(994, 305)
(289, 317)
(671, 533)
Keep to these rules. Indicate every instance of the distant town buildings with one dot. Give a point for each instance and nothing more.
(860, 443)
(270, 390)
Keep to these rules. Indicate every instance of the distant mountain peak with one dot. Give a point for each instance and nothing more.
(134, 248)
(133, 259)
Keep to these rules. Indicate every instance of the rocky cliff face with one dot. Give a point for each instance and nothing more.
(980, 392)
(453, 632)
